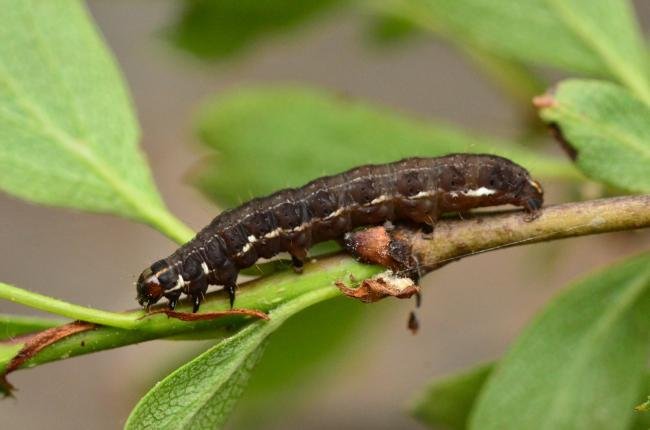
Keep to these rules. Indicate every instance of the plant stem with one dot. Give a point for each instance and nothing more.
(166, 223)
(69, 310)
(265, 294)
(456, 239)
(16, 325)
(452, 239)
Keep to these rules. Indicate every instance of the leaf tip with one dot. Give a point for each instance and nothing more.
(643, 407)
(544, 101)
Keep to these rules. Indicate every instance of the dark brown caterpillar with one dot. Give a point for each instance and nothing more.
(291, 220)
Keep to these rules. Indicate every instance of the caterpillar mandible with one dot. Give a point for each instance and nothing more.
(291, 220)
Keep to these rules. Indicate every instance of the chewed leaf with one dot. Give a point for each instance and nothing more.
(607, 129)
(582, 363)
(68, 136)
(288, 136)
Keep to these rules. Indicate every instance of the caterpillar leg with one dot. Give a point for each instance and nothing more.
(532, 206)
(173, 299)
(197, 289)
(298, 257)
(230, 289)
(196, 303)
(427, 220)
(228, 278)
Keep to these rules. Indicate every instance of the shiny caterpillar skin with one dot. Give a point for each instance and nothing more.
(291, 220)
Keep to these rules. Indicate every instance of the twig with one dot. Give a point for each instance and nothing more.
(263, 294)
(451, 239)
(404, 248)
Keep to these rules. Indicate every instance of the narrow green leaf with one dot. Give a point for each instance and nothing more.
(448, 402)
(15, 325)
(608, 127)
(217, 29)
(582, 363)
(202, 393)
(598, 37)
(68, 136)
(289, 135)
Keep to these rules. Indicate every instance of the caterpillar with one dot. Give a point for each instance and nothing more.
(291, 220)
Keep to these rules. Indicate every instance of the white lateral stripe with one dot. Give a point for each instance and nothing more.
(479, 192)
(423, 194)
(380, 199)
(301, 226)
(337, 212)
(274, 233)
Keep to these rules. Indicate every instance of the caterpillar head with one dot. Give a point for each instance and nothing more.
(154, 282)
(532, 195)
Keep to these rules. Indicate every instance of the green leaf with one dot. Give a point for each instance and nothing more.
(217, 29)
(582, 363)
(14, 325)
(287, 136)
(598, 37)
(608, 127)
(68, 136)
(7, 352)
(608, 28)
(398, 19)
(297, 354)
(188, 403)
(448, 402)
(391, 29)
(642, 413)
(202, 393)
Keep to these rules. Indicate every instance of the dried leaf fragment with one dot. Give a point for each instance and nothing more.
(206, 316)
(380, 286)
(37, 343)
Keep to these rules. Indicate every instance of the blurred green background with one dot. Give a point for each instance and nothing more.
(471, 310)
